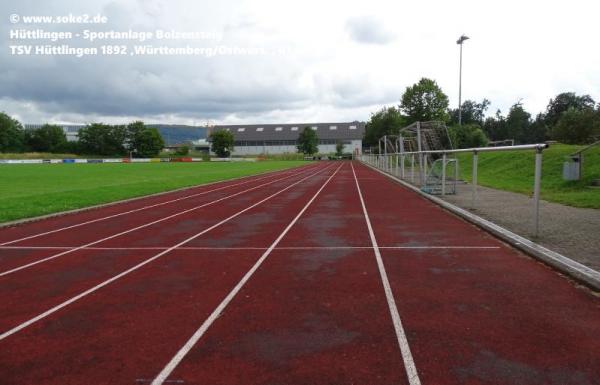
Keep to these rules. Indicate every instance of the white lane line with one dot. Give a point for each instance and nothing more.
(7, 272)
(144, 207)
(145, 262)
(409, 363)
(253, 248)
(168, 369)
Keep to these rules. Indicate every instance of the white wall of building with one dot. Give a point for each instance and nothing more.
(323, 149)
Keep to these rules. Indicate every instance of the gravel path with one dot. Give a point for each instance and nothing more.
(573, 232)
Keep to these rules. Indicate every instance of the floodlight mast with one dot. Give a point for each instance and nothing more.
(460, 42)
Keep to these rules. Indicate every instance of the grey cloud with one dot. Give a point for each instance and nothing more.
(108, 88)
(148, 86)
(369, 30)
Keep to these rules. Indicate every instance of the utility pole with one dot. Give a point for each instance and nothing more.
(460, 42)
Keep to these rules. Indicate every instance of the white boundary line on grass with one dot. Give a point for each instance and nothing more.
(13, 270)
(168, 369)
(409, 363)
(147, 261)
(283, 172)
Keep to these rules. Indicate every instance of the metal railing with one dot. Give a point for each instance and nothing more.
(396, 164)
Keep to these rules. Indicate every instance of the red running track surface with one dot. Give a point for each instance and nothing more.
(225, 308)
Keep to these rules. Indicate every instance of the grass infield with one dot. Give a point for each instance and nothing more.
(40, 189)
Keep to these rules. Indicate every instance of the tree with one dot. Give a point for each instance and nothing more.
(339, 148)
(424, 101)
(495, 127)
(467, 136)
(222, 143)
(48, 138)
(12, 135)
(144, 141)
(72, 147)
(518, 122)
(103, 139)
(308, 141)
(471, 112)
(537, 131)
(578, 126)
(386, 121)
(563, 102)
(182, 150)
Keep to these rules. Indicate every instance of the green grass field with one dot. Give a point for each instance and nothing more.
(514, 170)
(39, 189)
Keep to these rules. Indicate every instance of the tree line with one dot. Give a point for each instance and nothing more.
(135, 138)
(568, 118)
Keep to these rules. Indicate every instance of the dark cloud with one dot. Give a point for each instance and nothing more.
(61, 87)
(145, 86)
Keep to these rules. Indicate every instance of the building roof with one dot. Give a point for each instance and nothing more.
(341, 131)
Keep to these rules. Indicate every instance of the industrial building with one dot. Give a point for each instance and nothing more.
(255, 139)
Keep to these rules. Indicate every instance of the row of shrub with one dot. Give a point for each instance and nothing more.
(100, 139)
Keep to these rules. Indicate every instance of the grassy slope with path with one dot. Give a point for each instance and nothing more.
(513, 171)
(39, 189)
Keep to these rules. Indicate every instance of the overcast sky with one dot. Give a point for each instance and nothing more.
(320, 60)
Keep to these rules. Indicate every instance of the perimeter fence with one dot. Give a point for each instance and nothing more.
(422, 154)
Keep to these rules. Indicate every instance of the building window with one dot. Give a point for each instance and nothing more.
(352, 127)
(278, 128)
(241, 129)
(259, 129)
(294, 128)
(315, 128)
(333, 127)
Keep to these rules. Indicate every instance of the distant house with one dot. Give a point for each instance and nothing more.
(255, 139)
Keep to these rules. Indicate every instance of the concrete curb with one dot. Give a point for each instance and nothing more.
(108, 204)
(573, 269)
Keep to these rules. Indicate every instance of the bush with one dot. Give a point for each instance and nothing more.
(72, 147)
(467, 136)
(182, 151)
(577, 127)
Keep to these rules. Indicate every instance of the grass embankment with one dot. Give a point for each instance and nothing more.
(39, 189)
(514, 171)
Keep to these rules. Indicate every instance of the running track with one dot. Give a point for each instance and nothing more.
(325, 274)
